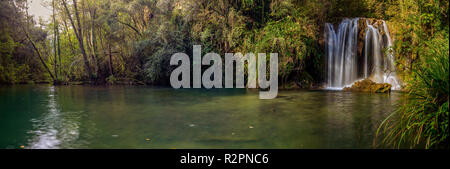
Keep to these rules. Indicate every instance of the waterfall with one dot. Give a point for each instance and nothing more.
(372, 48)
(390, 76)
(345, 65)
(341, 52)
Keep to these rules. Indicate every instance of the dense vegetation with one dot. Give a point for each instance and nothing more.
(132, 40)
(117, 41)
(422, 120)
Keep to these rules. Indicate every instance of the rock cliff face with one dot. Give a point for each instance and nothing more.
(367, 85)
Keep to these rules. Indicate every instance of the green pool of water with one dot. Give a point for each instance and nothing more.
(42, 116)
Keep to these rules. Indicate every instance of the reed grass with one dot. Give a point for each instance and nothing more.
(421, 121)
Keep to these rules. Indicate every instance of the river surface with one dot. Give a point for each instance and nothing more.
(43, 116)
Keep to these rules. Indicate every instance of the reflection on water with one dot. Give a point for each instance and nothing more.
(53, 128)
(143, 117)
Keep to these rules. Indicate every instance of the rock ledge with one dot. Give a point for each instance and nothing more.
(368, 85)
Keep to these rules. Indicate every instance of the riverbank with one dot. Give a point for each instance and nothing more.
(291, 86)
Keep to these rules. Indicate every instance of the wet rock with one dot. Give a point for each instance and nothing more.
(368, 85)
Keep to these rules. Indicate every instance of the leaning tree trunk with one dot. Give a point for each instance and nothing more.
(39, 55)
(24, 29)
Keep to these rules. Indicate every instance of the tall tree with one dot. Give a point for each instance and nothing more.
(78, 34)
(55, 41)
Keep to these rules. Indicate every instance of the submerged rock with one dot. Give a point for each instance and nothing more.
(368, 85)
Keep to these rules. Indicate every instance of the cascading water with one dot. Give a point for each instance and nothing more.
(341, 52)
(345, 66)
(390, 76)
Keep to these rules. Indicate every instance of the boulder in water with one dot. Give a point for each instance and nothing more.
(368, 85)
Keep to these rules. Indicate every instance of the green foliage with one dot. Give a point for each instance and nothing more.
(420, 28)
(422, 119)
(293, 35)
(219, 27)
(413, 22)
(7, 74)
(111, 79)
(17, 63)
(351, 8)
(156, 50)
(13, 73)
(133, 39)
(7, 44)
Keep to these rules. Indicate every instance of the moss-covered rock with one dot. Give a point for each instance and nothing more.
(368, 85)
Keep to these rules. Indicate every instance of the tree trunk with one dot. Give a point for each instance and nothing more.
(39, 55)
(59, 49)
(55, 41)
(111, 71)
(94, 46)
(79, 35)
(68, 37)
(24, 29)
